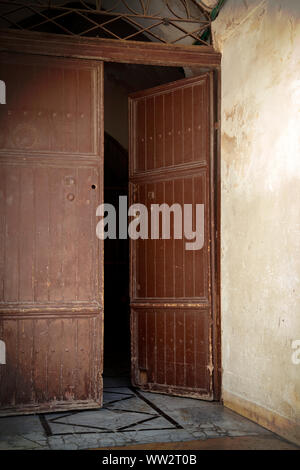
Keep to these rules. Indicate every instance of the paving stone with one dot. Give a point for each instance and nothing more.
(132, 404)
(27, 442)
(128, 420)
(196, 414)
(19, 425)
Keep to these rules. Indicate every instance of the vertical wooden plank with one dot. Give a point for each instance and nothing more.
(150, 134)
(206, 119)
(69, 358)
(12, 254)
(169, 245)
(2, 230)
(141, 135)
(190, 348)
(97, 355)
(189, 254)
(83, 379)
(151, 346)
(179, 261)
(159, 131)
(159, 262)
(24, 378)
(160, 334)
(188, 124)
(70, 234)
(201, 339)
(178, 127)
(55, 96)
(141, 250)
(43, 102)
(55, 365)
(179, 352)
(199, 125)
(10, 369)
(96, 198)
(28, 236)
(85, 111)
(169, 129)
(150, 245)
(42, 234)
(70, 106)
(40, 360)
(170, 348)
(142, 339)
(85, 260)
(201, 256)
(56, 227)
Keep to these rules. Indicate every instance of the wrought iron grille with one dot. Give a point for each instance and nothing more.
(166, 21)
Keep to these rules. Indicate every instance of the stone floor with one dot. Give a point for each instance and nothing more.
(130, 417)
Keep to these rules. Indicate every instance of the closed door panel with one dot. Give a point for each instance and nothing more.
(51, 302)
(48, 232)
(171, 286)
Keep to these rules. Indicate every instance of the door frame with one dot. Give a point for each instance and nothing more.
(198, 59)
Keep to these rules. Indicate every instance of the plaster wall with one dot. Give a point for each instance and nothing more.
(260, 145)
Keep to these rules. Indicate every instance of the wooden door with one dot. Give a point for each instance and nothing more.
(51, 304)
(171, 287)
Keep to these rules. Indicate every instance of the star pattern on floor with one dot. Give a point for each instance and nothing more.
(124, 409)
(129, 417)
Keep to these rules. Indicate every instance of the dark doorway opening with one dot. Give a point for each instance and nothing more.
(119, 81)
(116, 268)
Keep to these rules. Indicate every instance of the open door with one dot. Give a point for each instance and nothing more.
(171, 287)
(51, 305)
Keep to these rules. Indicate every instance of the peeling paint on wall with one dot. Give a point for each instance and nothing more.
(260, 43)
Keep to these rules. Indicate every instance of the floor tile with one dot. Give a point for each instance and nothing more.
(131, 417)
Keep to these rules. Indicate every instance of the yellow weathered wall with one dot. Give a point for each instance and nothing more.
(260, 43)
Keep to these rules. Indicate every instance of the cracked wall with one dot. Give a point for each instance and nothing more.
(260, 43)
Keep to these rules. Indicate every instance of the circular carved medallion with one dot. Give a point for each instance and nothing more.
(24, 136)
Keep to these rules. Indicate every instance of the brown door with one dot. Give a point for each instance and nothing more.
(51, 305)
(171, 287)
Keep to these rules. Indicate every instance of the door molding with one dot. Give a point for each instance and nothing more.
(109, 50)
(199, 59)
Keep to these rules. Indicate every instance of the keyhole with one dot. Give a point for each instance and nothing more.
(93, 186)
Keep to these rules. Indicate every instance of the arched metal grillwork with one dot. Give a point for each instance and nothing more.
(165, 21)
